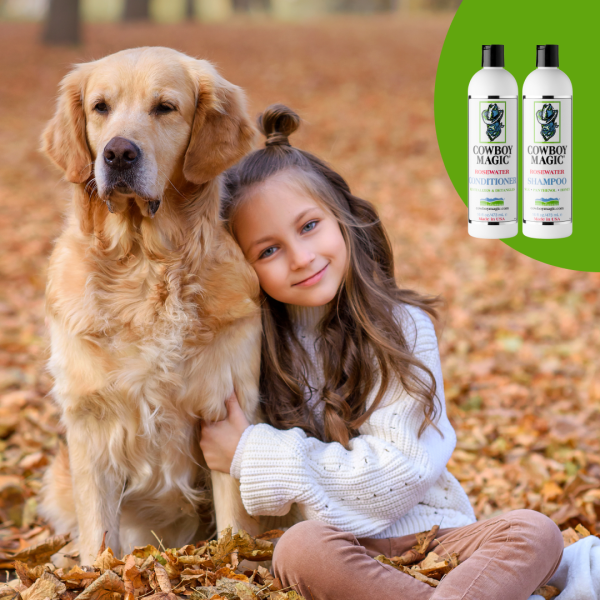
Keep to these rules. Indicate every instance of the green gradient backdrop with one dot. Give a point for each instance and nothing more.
(520, 25)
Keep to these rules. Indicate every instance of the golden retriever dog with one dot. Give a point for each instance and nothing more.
(152, 311)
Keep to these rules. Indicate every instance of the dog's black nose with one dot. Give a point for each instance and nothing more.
(121, 154)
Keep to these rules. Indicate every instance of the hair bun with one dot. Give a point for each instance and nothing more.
(277, 123)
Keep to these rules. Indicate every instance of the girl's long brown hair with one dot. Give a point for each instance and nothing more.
(361, 342)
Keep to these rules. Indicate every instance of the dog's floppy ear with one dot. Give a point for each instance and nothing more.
(222, 133)
(64, 138)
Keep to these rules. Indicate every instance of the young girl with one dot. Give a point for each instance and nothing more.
(357, 440)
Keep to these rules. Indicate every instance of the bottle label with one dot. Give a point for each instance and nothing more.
(493, 160)
(547, 159)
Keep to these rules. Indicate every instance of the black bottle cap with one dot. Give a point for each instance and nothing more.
(492, 56)
(547, 56)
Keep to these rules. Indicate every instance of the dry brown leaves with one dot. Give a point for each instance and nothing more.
(547, 592)
(207, 570)
(519, 340)
(417, 562)
(570, 535)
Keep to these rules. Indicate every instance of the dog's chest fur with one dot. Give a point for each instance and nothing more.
(141, 349)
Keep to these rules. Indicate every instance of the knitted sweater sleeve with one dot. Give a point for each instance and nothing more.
(386, 471)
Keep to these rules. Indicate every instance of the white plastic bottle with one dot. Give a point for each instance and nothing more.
(547, 149)
(493, 149)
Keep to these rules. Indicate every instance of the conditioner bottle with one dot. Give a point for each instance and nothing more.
(493, 149)
(547, 149)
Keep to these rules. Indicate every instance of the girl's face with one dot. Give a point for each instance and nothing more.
(294, 244)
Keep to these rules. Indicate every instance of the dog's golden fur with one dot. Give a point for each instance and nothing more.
(153, 321)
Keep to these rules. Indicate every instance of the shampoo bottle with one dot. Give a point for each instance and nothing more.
(547, 149)
(493, 149)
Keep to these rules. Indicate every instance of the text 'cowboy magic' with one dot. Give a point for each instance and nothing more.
(493, 155)
(547, 155)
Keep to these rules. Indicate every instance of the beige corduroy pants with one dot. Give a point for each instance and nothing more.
(504, 558)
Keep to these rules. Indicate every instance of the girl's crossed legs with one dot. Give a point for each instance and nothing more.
(506, 557)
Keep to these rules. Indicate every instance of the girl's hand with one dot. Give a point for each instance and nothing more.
(219, 440)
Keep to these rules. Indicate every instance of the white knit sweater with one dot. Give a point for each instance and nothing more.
(390, 483)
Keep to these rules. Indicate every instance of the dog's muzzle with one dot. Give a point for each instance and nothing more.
(124, 161)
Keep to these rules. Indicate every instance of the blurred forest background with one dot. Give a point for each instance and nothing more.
(520, 340)
(175, 11)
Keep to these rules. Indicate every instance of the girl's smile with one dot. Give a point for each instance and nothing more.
(293, 242)
(313, 278)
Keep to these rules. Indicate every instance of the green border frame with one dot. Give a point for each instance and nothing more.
(535, 119)
(480, 120)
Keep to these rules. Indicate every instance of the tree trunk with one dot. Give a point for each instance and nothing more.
(62, 22)
(364, 6)
(136, 10)
(190, 10)
(245, 6)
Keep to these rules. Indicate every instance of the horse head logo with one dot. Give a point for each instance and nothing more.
(546, 118)
(492, 117)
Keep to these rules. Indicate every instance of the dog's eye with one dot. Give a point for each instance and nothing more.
(101, 107)
(163, 109)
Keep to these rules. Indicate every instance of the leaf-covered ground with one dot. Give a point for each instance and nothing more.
(520, 341)
(215, 570)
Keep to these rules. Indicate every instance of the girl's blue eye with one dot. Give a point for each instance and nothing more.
(310, 226)
(268, 252)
